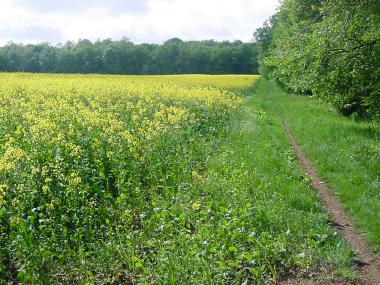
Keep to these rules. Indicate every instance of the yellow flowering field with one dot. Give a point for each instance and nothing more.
(86, 161)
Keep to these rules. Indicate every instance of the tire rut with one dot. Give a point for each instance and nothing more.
(367, 261)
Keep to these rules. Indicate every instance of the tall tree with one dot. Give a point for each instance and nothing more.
(328, 48)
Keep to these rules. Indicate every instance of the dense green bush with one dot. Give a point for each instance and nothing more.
(326, 48)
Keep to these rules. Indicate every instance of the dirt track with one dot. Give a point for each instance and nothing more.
(367, 261)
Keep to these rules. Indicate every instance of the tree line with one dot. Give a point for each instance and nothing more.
(326, 48)
(124, 57)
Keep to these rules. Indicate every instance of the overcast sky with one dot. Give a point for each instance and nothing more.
(153, 21)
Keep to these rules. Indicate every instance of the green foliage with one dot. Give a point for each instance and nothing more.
(123, 57)
(329, 49)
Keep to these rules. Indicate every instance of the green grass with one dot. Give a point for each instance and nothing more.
(263, 203)
(345, 153)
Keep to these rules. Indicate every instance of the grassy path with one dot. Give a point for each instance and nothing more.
(263, 207)
(345, 154)
(368, 261)
(297, 109)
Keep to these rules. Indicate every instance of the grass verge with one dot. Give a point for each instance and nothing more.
(345, 153)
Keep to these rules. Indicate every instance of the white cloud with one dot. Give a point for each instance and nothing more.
(75, 6)
(139, 20)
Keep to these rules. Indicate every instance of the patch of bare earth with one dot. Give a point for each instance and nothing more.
(368, 262)
(317, 279)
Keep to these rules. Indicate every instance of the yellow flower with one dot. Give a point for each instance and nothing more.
(195, 206)
(3, 187)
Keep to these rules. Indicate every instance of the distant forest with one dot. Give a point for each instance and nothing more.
(124, 57)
